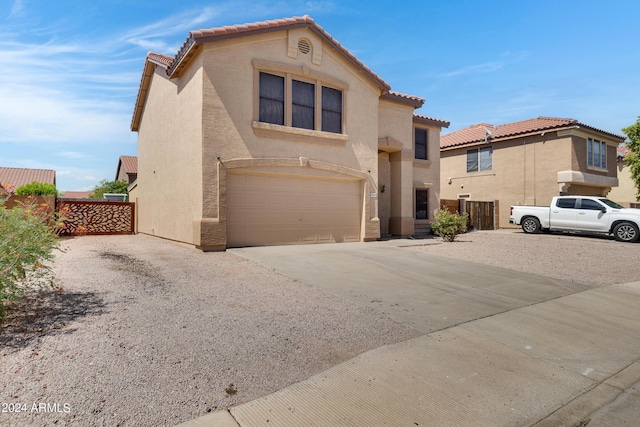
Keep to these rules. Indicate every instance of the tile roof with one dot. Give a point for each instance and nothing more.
(623, 150)
(416, 101)
(431, 120)
(76, 194)
(129, 164)
(15, 177)
(479, 132)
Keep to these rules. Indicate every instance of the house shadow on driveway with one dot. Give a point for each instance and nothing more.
(45, 313)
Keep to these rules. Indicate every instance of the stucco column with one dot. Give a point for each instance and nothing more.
(401, 222)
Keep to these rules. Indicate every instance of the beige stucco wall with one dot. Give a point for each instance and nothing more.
(525, 171)
(625, 192)
(169, 156)
(203, 125)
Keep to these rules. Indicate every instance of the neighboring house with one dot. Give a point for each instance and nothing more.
(127, 169)
(527, 162)
(13, 178)
(274, 133)
(77, 195)
(625, 193)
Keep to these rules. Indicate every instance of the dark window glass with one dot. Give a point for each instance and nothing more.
(596, 154)
(589, 152)
(422, 204)
(472, 160)
(566, 203)
(604, 155)
(303, 97)
(421, 144)
(271, 99)
(590, 205)
(331, 110)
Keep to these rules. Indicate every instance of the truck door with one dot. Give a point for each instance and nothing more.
(563, 214)
(590, 216)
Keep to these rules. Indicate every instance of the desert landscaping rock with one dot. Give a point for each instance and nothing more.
(151, 332)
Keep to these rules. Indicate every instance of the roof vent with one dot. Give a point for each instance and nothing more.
(304, 47)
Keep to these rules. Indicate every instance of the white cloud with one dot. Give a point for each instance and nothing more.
(486, 67)
(17, 9)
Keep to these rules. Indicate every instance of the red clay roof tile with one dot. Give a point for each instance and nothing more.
(431, 120)
(480, 132)
(15, 177)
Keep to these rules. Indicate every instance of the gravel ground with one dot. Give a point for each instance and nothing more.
(153, 333)
(149, 332)
(589, 260)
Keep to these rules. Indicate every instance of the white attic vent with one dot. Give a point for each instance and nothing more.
(304, 47)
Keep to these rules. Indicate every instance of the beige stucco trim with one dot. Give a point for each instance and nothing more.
(566, 178)
(287, 133)
(389, 144)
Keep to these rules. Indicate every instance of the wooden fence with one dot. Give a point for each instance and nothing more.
(96, 218)
(482, 215)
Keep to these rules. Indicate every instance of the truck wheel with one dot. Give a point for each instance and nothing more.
(626, 232)
(531, 225)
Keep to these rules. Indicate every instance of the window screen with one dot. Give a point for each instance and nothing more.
(331, 110)
(271, 99)
(422, 204)
(303, 96)
(421, 144)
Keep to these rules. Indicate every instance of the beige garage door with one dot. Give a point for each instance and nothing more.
(275, 210)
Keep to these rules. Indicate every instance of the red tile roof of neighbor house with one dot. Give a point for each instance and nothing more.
(15, 177)
(129, 164)
(480, 132)
(76, 194)
(623, 150)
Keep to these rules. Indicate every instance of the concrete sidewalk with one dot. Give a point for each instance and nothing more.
(501, 348)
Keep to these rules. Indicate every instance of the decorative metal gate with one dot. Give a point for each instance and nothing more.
(94, 218)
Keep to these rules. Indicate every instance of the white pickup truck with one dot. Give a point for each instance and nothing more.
(581, 214)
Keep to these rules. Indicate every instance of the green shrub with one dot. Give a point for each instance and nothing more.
(37, 189)
(27, 246)
(448, 225)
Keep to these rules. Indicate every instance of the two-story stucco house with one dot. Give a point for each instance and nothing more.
(274, 133)
(527, 162)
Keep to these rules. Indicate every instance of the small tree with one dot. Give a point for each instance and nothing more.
(27, 242)
(633, 158)
(37, 189)
(448, 225)
(107, 187)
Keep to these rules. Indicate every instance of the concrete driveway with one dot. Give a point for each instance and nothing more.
(501, 348)
(424, 291)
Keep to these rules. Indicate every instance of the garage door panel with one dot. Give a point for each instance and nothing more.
(274, 210)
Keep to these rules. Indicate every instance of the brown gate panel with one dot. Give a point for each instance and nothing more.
(95, 218)
(481, 215)
(453, 206)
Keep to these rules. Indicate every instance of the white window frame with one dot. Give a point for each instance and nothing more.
(479, 165)
(599, 162)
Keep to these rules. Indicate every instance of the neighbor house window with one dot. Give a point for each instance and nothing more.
(596, 153)
(420, 144)
(301, 112)
(480, 159)
(422, 204)
(271, 99)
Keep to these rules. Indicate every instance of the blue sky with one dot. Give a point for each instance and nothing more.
(71, 69)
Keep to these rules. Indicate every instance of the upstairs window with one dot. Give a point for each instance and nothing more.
(480, 159)
(303, 99)
(331, 110)
(305, 107)
(596, 153)
(420, 144)
(271, 99)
